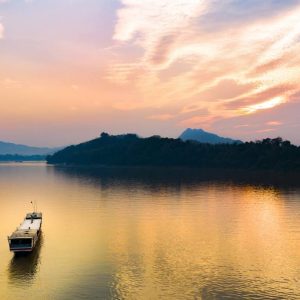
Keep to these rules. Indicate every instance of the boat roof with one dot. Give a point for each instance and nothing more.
(28, 224)
(29, 227)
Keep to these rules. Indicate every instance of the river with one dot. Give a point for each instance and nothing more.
(150, 233)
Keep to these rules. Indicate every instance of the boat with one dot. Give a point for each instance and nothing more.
(26, 236)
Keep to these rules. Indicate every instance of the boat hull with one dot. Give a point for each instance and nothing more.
(26, 236)
(22, 250)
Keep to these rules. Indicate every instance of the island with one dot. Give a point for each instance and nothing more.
(131, 150)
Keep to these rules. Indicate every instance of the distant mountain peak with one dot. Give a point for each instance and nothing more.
(202, 136)
(12, 149)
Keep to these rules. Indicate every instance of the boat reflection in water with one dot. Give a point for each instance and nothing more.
(24, 267)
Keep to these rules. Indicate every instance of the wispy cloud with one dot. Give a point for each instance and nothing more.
(161, 117)
(10, 83)
(230, 66)
(1, 25)
(274, 123)
(264, 105)
(1, 31)
(227, 70)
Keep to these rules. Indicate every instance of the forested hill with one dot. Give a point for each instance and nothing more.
(130, 150)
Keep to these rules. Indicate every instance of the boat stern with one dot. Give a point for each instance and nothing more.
(20, 244)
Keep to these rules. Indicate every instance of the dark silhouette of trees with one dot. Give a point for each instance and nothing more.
(130, 150)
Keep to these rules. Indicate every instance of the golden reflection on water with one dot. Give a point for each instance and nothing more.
(115, 236)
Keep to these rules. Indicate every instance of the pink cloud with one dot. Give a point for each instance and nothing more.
(256, 98)
(1, 31)
(265, 130)
(274, 123)
(180, 62)
(161, 117)
(225, 75)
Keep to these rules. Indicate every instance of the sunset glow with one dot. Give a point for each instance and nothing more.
(265, 105)
(71, 69)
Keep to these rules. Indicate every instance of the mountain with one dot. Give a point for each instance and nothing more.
(130, 150)
(10, 148)
(202, 136)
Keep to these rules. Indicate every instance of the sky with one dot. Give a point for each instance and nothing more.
(71, 69)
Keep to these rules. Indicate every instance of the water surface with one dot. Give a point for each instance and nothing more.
(151, 234)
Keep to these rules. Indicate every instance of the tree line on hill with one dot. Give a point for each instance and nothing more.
(131, 150)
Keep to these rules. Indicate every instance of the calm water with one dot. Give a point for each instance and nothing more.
(151, 234)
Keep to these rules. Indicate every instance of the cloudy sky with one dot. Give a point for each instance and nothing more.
(70, 69)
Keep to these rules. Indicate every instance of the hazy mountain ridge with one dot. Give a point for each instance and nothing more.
(12, 149)
(201, 136)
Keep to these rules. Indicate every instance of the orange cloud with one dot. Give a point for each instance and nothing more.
(264, 105)
(265, 130)
(274, 123)
(216, 68)
(181, 62)
(272, 96)
(161, 117)
(199, 121)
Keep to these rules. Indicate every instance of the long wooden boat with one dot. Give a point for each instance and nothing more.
(26, 236)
